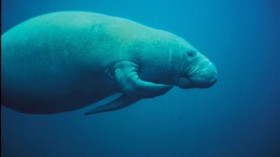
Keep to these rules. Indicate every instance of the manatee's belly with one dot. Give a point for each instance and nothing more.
(33, 92)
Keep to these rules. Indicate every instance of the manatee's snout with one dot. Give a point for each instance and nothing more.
(205, 74)
(201, 73)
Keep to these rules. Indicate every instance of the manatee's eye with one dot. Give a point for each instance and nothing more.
(190, 54)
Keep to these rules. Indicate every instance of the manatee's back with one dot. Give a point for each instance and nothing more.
(44, 64)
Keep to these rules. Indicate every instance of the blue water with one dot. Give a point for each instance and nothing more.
(238, 117)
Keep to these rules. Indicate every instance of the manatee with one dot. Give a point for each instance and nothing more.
(64, 61)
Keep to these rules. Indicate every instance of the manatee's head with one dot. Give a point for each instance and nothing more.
(196, 71)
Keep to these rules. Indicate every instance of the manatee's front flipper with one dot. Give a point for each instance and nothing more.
(116, 104)
(127, 76)
(134, 89)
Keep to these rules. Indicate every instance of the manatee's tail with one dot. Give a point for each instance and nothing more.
(116, 104)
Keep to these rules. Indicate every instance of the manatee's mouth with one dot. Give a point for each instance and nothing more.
(185, 82)
(196, 81)
(203, 75)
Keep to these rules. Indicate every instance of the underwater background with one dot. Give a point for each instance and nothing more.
(238, 117)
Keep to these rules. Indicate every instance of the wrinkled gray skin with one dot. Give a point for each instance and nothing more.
(67, 60)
